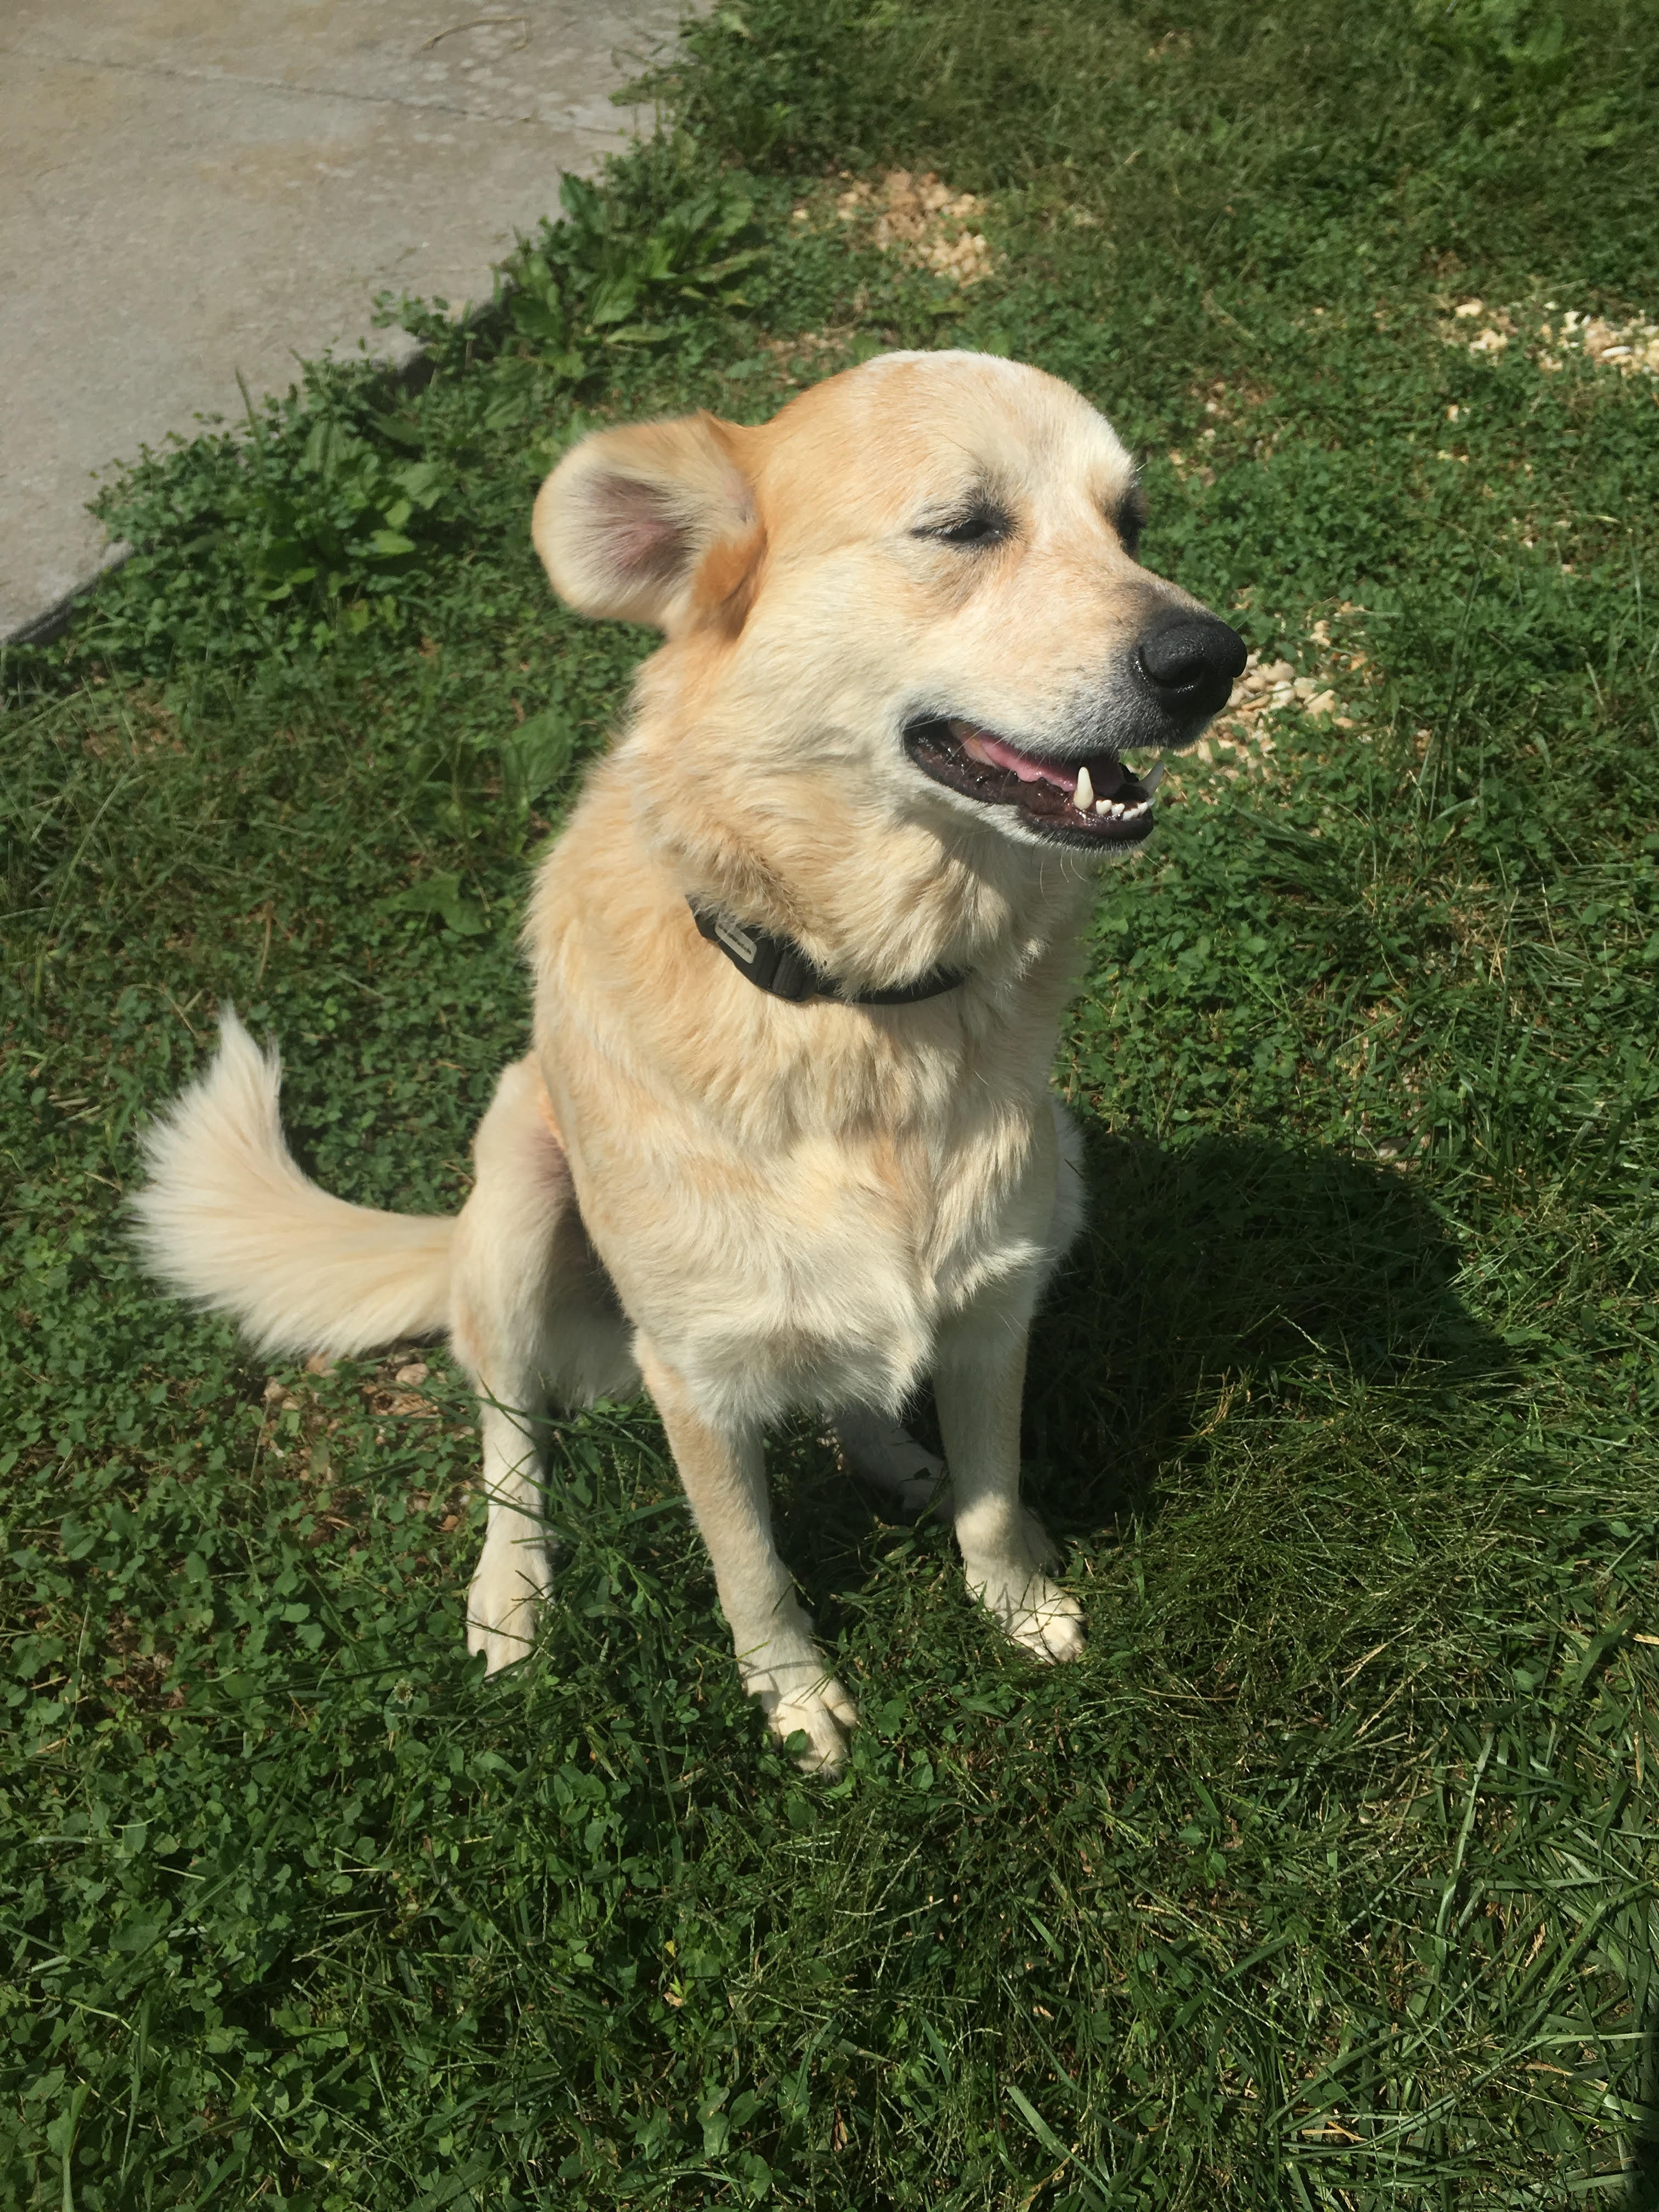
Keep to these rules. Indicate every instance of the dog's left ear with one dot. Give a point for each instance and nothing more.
(627, 520)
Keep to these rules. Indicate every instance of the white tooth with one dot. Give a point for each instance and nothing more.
(1117, 809)
(1083, 797)
(1153, 777)
(1103, 806)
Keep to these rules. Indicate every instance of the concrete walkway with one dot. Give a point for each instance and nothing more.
(189, 188)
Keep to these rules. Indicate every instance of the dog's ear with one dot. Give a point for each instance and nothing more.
(627, 519)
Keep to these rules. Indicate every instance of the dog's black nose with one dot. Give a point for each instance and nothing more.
(1190, 661)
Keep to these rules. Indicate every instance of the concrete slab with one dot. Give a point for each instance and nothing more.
(188, 190)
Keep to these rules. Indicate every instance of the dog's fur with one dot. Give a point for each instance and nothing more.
(755, 1206)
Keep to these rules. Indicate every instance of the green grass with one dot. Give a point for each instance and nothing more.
(1327, 1880)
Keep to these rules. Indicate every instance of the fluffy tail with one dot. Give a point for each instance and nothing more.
(227, 1218)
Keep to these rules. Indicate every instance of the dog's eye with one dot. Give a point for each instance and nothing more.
(1129, 520)
(980, 526)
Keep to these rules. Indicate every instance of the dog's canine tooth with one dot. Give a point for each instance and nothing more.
(1084, 797)
(1153, 777)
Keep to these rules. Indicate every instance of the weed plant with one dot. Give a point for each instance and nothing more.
(1328, 1879)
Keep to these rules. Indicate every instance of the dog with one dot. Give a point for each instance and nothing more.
(784, 1139)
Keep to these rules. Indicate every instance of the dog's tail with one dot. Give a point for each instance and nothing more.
(227, 1218)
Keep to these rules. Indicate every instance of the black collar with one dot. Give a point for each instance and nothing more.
(778, 965)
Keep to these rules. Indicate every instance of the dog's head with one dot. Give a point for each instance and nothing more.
(922, 575)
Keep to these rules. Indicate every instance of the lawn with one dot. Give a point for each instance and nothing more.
(1329, 1879)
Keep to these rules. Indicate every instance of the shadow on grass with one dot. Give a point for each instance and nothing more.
(1643, 2163)
(1231, 1266)
(1223, 1273)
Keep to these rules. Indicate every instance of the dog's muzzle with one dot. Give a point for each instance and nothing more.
(1178, 676)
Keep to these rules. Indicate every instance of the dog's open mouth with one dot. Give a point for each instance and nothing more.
(1096, 801)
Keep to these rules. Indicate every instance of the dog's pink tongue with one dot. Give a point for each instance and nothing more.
(981, 745)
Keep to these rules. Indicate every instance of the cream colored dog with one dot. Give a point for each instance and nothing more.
(880, 755)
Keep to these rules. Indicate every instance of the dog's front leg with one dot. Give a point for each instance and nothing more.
(724, 1478)
(979, 1377)
(506, 1248)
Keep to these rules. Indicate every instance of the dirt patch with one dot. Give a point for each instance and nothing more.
(1630, 347)
(1273, 695)
(927, 224)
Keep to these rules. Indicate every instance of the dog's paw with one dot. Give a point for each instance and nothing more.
(1034, 1613)
(1047, 1623)
(824, 1715)
(504, 1601)
(797, 1695)
(917, 1494)
(908, 1479)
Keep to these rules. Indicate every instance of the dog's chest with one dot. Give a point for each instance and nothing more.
(822, 1270)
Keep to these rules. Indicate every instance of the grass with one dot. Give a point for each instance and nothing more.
(1327, 1880)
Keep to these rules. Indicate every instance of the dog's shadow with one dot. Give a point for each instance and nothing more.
(1221, 1266)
